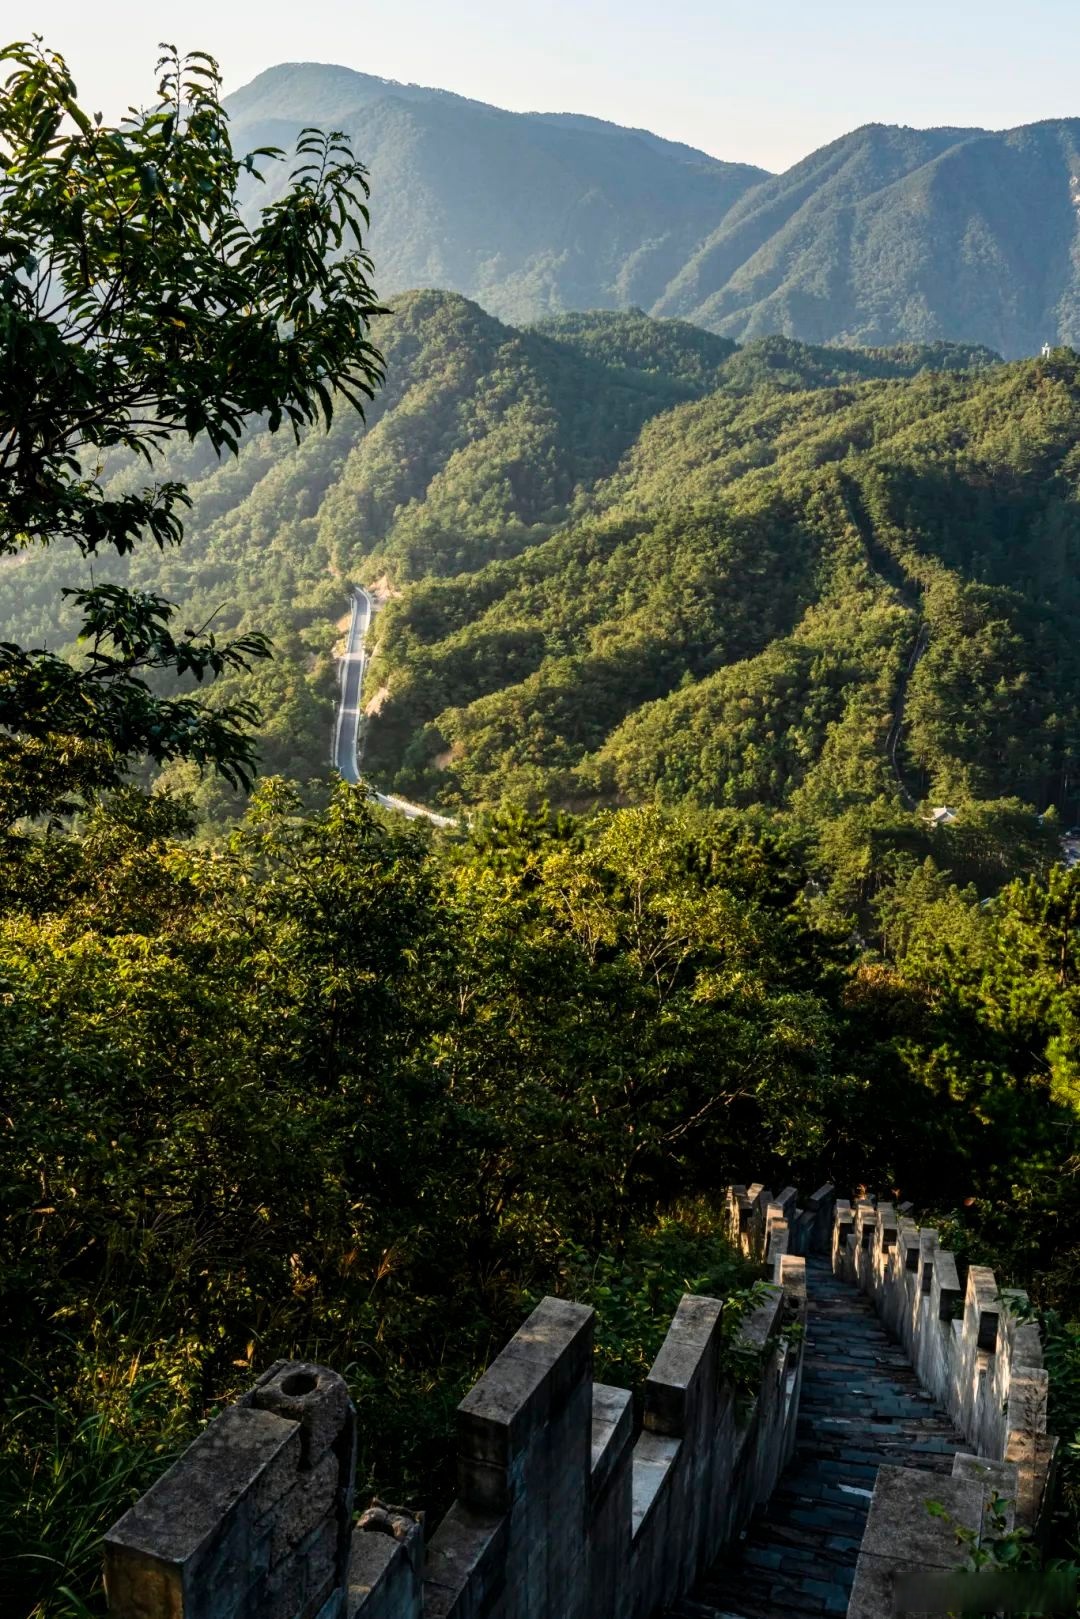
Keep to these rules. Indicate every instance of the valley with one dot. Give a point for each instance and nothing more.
(634, 562)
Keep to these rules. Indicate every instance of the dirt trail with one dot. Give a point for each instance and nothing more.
(896, 729)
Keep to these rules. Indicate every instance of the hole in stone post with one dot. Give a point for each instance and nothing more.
(298, 1383)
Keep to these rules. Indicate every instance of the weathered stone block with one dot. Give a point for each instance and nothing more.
(1028, 1400)
(310, 1500)
(903, 1537)
(386, 1565)
(996, 1478)
(982, 1303)
(283, 1593)
(487, 1486)
(558, 1335)
(654, 1457)
(777, 1243)
(909, 1241)
(370, 1561)
(531, 1378)
(318, 1552)
(792, 1279)
(946, 1284)
(314, 1397)
(300, 1587)
(886, 1226)
(670, 1385)
(1033, 1455)
(754, 1329)
(612, 1433)
(842, 1232)
(466, 1565)
(193, 1545)
(610, 1504)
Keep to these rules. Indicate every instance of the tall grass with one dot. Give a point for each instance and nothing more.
(72, 1458)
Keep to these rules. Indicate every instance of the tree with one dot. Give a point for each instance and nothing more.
(136, 304)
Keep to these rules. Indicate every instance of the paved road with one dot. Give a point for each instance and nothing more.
(346, 759)
(346, 729)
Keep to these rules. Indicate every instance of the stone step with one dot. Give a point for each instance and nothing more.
(837, 1547)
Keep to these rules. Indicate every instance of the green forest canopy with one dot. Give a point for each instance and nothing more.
(628, 559)
(729, 617)
(335, 1091)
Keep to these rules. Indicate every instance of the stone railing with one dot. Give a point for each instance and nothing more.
(562, 1512)
(979, 1359)
(981, 1362)
(765, 1226)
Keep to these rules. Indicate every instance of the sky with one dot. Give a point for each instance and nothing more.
(761, 83)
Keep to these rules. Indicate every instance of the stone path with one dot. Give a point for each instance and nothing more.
(861, 1405)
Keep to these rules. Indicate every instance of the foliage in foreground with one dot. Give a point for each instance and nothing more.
(330, 1088)
(325, 1090)
(137, 307)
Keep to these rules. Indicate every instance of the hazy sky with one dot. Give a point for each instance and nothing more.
(764, 83)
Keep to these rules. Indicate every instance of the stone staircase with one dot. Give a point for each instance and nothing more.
(862, 1405)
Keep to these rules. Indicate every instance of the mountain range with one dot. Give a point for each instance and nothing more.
(886, 235)
(621, 559)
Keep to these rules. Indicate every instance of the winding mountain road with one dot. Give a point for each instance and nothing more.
(347, 725)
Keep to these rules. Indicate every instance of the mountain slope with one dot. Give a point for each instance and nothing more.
(490, 447)
(729, 617)
(894, 234)
(887, 235)
(477, 447)
(527, 212)
(767, 231)
(623, 559)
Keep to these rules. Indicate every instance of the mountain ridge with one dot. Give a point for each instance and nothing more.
(888, 234)
(487, 445)
(528, 213)
(374, 84)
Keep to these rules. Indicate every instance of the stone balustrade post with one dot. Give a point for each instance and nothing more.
(515, 1540)
(254, 1520)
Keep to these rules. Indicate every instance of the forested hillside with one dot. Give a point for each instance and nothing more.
(527, 212)
(886, 235)
(476, 447)
(555, 563)
(731, 618)
(891, 234)
(284, 1075)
